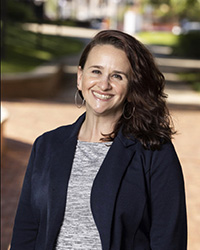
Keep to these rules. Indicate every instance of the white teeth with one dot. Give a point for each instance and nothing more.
(103, 97)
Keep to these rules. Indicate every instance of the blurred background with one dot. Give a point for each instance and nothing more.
(41, 44)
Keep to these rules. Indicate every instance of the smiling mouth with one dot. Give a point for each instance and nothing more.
(102, 96)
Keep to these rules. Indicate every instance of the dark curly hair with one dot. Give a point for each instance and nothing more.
(150, 122)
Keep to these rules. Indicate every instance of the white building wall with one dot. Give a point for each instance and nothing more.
(83, 9)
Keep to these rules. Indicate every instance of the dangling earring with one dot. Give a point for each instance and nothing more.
(124, 111)
(76, 100)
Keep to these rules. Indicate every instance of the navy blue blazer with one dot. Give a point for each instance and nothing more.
(137, 199)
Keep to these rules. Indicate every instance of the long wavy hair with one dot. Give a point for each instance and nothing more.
(145, 114)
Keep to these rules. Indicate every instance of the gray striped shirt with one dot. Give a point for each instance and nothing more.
(78, 231)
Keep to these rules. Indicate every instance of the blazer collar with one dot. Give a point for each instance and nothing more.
(124, 140)
(76, 127)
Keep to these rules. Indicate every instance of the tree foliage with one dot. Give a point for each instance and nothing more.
(178, 9)
(20, 11)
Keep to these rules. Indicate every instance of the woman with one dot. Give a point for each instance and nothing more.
(111, 180)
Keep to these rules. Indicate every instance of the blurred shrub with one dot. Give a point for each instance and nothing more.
(188, 45)
(20, 11)
(192, 78)
(196, 86)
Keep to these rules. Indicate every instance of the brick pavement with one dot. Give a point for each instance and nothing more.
(30, 118)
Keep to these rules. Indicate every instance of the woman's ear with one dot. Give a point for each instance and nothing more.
(79, 78)
(128, 97)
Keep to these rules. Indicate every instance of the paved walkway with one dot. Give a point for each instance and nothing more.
(29, 118)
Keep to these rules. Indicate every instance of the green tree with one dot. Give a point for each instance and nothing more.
(178, 9)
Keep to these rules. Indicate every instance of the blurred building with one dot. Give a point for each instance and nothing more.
(104, 12)
(80, 9)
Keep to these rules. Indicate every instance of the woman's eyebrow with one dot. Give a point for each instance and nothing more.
(96, 66)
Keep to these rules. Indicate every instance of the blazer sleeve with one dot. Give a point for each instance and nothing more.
(168, 209)
(25, 226)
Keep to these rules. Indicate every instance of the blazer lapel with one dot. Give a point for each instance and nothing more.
(60, 169)
(107, 183)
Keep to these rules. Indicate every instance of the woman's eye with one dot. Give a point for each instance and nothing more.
(119, 77)
(96, 71)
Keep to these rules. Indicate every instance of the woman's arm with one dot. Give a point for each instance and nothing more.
(25, 227)
(168, 209)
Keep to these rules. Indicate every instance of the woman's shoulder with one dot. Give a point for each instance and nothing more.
(57, 134)
(164, 157)
(166, 150)
(165, 160)
(51, 140)
(61, 133)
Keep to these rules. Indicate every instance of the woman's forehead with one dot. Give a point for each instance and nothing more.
(108, 55)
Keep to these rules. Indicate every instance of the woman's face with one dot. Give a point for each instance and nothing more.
(104, 80)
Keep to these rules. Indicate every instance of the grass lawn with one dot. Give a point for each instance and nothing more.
(158, 38)
(26, 50)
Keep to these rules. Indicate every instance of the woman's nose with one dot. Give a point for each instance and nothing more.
(104, 83)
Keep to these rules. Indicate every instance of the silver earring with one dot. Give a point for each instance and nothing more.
(76, 100)
(124, 111)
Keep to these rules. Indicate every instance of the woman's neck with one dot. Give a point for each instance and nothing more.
(94, 127)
